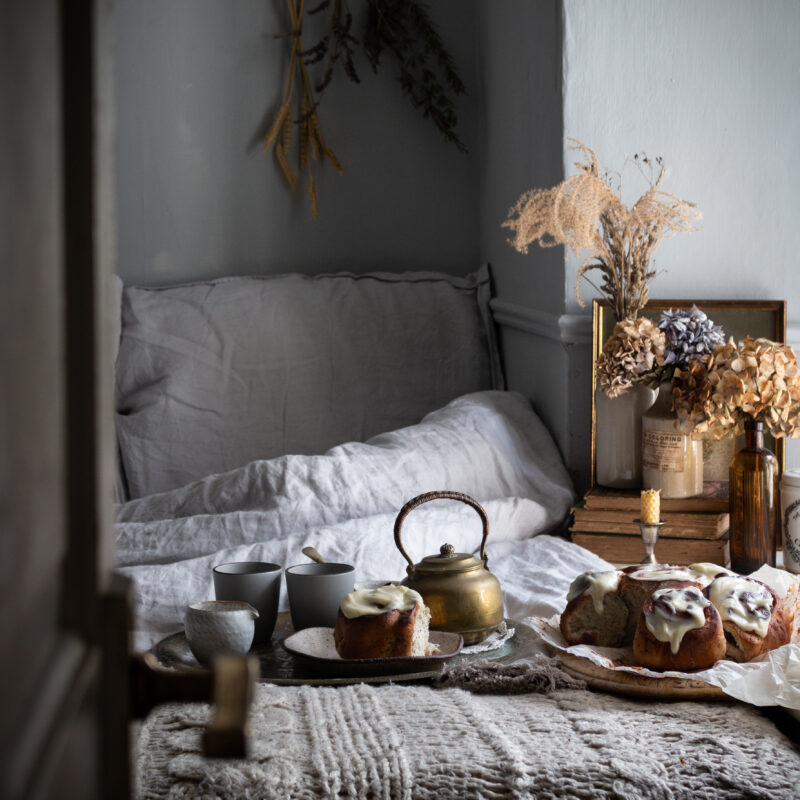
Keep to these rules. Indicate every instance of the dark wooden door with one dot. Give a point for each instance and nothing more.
(62, 727)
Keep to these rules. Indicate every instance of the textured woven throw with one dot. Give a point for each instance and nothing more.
(538, 673)
(395, 741)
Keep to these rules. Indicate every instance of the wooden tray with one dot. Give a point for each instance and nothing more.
(632, 685)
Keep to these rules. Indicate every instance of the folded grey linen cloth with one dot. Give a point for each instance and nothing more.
(538, 673)
(406, 742)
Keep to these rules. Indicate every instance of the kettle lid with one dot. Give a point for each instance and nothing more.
(447, 560)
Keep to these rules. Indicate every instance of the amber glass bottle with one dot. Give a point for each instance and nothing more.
(754, 502)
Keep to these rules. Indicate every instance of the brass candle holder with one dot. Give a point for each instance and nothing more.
(649, 538)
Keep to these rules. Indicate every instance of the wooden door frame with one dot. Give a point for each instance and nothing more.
(89, 225)
(81, 693)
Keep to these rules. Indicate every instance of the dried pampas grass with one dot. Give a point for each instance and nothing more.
(584, 213)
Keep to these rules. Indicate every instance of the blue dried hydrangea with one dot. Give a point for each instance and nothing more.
(689, 335)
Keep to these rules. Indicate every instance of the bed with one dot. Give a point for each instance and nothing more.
(260, 415)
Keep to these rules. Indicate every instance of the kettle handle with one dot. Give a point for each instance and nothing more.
(442, 495)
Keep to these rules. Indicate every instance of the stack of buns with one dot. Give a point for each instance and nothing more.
(675, 618)
(384, 622)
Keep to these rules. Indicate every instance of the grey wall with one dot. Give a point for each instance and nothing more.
(711, 87)
(197, 196)
(714, 88)
(521, 124)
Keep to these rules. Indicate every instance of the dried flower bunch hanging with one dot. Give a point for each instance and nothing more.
(426, 70)
(755, 378)
(402, 28)
(309, 135)
(585, 213)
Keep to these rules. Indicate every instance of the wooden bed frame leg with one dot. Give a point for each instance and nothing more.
(229, 687)
(226, 736)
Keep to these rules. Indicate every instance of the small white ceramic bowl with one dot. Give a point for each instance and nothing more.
(219, 626)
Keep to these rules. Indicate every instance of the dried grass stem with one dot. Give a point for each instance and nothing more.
(584, 213)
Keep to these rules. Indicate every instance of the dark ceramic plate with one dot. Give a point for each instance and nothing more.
(315, 648)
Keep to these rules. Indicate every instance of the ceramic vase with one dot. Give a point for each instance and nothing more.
(754, 504)
(618, 437)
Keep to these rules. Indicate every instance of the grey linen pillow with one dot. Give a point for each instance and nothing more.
(215, 374)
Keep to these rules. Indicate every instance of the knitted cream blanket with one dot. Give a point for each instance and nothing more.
(396, 741)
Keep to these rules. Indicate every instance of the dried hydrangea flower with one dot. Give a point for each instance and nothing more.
(757, 378)
(689, 335)
(631, 353)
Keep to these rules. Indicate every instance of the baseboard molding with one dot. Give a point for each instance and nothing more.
(573, 328)
(563, 328)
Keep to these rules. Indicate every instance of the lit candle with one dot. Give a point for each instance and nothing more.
(651, 506)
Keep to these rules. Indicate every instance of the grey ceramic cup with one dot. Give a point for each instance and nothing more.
(254, 582)
(316, 592)
(214, 627)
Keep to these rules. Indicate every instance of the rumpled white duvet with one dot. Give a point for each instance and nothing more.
(489, 445)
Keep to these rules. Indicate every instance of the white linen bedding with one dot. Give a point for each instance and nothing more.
(490, 445)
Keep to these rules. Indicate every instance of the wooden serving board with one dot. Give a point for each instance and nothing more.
(632, 685)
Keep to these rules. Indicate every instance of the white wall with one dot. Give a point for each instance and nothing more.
(197, 196)
(713, 88)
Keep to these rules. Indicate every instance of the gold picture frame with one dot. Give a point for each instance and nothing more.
(738, 318)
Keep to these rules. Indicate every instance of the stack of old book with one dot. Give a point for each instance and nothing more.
(695, 529)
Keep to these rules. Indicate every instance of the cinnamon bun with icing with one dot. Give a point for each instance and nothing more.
(752, 616)
(639, 582)
(678, 629)
(596, 613)
(603, 607)
(386, 622)
(734, 617)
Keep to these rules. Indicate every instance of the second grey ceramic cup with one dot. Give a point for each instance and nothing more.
(316, 591)
(254, 582)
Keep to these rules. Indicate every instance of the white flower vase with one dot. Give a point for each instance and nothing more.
(618, 436)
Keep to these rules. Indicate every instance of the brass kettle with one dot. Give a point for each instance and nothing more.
(461, 593)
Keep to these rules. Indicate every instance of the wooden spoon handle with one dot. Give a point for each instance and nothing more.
(313, 554)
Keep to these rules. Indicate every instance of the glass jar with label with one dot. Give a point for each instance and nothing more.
(671, 460)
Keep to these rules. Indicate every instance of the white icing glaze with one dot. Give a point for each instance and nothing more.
(596, 584)
(746, 603)
(660, 572)
(371, 602)
(709, 571)
(671, 625)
